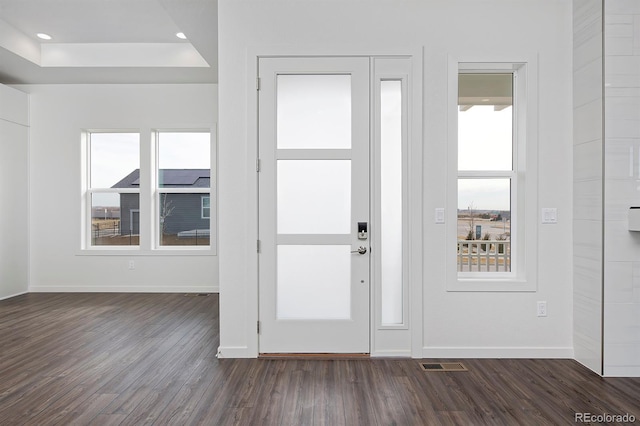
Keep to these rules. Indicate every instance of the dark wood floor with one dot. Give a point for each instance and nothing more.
(133, 359)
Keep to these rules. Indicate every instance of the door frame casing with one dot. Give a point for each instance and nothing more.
(414, 191)
(391, 340)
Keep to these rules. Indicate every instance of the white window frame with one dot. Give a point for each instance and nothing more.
(149, 197)
(512, 175)
(523, 176)
(158, 191)
(88, 190)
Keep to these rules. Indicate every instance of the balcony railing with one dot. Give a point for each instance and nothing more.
(484, 256)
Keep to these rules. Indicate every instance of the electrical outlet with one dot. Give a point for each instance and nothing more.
(549, 215)
(132, 264)
(542, 309)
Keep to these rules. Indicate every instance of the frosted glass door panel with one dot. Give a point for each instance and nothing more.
(314, 282)
(314, 196)
(314, 111)
(391, 201)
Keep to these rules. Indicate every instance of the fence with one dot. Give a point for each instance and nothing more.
(105, 229)
(484, 255)
(108, 234)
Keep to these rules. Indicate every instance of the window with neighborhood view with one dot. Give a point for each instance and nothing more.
(113, 157)
(487, 175)
(183, 188)
(147, 202)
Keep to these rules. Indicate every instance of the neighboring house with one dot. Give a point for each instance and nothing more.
(183, 213)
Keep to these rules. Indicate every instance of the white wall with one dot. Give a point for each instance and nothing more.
(587, 182)
(622, 172)
(59, 113)
(455, 323)
(14, 187)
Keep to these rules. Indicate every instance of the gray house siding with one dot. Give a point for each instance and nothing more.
(185, 213)
(184, 210)
(129, 206)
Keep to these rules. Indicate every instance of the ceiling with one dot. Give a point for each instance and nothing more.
(108, 41)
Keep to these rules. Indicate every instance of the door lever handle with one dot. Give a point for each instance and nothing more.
(360, 250)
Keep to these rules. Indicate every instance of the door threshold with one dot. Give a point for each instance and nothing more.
(316, 356)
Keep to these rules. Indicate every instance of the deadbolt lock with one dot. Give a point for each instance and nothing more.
(362, 231)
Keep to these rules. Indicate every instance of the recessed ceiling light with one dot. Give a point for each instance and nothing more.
(181, 36)
(44, 36)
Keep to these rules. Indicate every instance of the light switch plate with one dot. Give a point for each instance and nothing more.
(439, 215)
(634, 219)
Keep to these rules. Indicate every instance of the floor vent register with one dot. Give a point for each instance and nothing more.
(443, 366)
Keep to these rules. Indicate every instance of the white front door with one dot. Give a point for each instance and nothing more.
(313, 201)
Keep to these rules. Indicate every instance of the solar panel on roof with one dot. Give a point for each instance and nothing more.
(187, 177)
(172, 177)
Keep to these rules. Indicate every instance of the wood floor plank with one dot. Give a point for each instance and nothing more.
(136, 359)
(58, 409)
(385, 396)
(417, 408)
(269, 394)
(214, 402)
(169, 376)
(183, 404)
(107, 420)
(328, 391)
(298, 404)
(86, 412)
(358, 402)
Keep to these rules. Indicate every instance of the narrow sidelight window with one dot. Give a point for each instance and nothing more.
(391, 201)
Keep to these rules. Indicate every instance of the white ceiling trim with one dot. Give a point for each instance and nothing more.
(115, 33)
(18, 43)
(120, 55)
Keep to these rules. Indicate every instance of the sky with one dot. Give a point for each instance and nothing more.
(484, 143)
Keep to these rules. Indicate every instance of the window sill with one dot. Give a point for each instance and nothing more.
(125, 251)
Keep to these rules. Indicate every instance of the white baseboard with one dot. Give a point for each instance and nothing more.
(498, 352)
(391, 354)
(507, 352)
(621, 371)
(124, 289)
(235, 352)
(13, 295)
